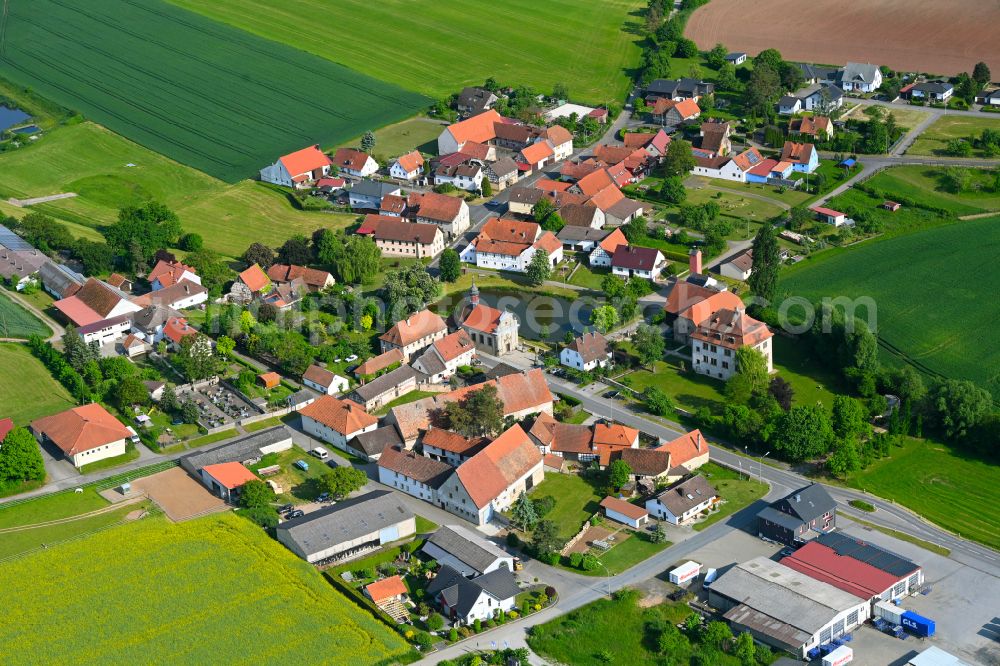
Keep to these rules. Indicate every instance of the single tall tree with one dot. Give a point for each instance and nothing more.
(480, 414)
(539, 268)
(766, 263)
(259, 254)
(20, 458)
(679, 159)
(649, 344)
(981, 74)
(523, 513)
(368, 141)
(450, 265)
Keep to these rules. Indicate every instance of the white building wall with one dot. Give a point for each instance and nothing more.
(108, 333)
(109, 450)
(622, 518)
(407, 485)
(276, 174)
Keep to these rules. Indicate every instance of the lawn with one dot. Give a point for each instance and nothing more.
(297, 486)
(51, 507)
(617, 631)
(947, 486)
(16, 322)
(576, 500)
(412, 396)
(788, 197)
(27, 390)
(589, 46)
(923, 185)
(425, 525)
(935, 138)
(735, 206)
(93, 162)
(411, 134)
(586, 276)
(254, 582)
(737, 492)
(626, 554)
(938, 325)
(196, 90)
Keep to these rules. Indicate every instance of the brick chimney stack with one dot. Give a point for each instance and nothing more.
(694, 261)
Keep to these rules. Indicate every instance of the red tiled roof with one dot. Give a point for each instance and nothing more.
(414, 466)
(168, 272)
(446, 440)
(625, 508)
(393, 203)
(399, 230)
(335, 182)
(81, 428)
(348, 158)
(798, 153)
(702, 310)
(764, 168)
(512, 231)
(255, 278)
(607, 197)
(411, 161)
(318, 375)
(537, 152)
(502, 462)
(6, 425)
(684, 294)
(387, 588)
(732, 329)
(478, 128)
(613, 241)
(304, 161)
(687, 108)
(232, 475)
(453, 345)
(842, 571)
(594, 182)
(558, 135)
(482, 317)
(380, 362)
(269, 379)
(614, 434)
(548, 242)
(288, 272)
(827, 211)
(342, 416)
(590, 346)
(415, 327)
(635, 257)
(177, 328)
(77, 311)
(552, 185)
(475, 150)
(685, 448)
(434, 206)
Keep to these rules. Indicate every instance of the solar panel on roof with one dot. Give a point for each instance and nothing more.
(865, 552)
(12, 241)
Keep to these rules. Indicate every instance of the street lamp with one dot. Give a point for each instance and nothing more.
(760, 467)
(608, 573)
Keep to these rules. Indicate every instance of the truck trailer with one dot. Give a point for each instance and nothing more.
(918, 625)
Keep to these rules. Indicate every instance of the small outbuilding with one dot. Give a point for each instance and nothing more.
(269, 380)
(624, 512)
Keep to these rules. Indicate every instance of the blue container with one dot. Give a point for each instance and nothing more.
(917, 625)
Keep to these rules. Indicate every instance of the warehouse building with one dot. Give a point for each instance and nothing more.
(785, 608)
(856, 567)
(348, 529)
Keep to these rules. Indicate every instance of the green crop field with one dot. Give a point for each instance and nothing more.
(219, 582)
(16, 322)
(928, 287)
(438, 47)
(945, 485)
(95, 163)
(201, 92)
(935, 138)
(27, 390)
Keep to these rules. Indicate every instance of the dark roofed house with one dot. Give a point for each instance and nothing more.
(683, 501)
(412, 473)
(650, 464)
(466, 551)
(247, 450)
(374, 442)
(586, 352)
(386, 388)
(686, 88)
(799, 517)
(502, 173)
(348, 529)
(933, 91)
(644, 262)
(473, 100)
(464, 601)
(583, 239)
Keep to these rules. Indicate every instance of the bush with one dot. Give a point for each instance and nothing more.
(513, 540)
(575, 559)
(552, 558)
(550, 592)
(477, 626)
(861, 504)
(424, 640)
(453, 635)
(435, 622)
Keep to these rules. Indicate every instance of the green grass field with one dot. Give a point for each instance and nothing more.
(418, 133)
(737, 491)
(942, 484)
(935, 138)
(923, 185)
(199, 91)
(22, 541)
(27, 390)
(437, 48)
(625, 554)
(576, 501)
(93, 162)
(218, 581)
(926, 313)
(17, 322)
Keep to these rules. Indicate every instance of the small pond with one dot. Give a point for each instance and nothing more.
(27, 129)
(534, 311)
(10, 117)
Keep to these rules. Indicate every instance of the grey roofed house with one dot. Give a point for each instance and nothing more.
(461, 594)
(817, 73)
(807, 503)
(501, 168)
(251, 447)
(787, 101)
(501, 370)
(686, 87)
(59, 280)
(933, 87)
(571, 235)
(153, 317)
(346, 521)
(625, 209)
(301, 398)
(833, 93)
(687, 494)
(524, 194)
(12, 241)
(782, 593)
(374, 188)
(384, 383)
(428, 471)
(474, 99)
(467, 551)
(374, 442)
(858, 72)
(578, 215)
(430, 363)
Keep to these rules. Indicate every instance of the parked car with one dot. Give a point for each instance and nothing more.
(298, 513)
(787, 551)
(323, 497)
(611, 395)
(320, 453)
(302, 464)
(285, 508)
(332, 463)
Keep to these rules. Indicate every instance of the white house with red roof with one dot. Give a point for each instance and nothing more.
(84, 434)
(168, 273)
(225, 479)
(299, 169)
(354, 162)
(443, 357)
(407, 167)
(337, 422)
(492, 331)
(322, 380)
(633, 261)
(689, 451)
(509, 245)
(412, 334)
(601, 255)
(716, 340)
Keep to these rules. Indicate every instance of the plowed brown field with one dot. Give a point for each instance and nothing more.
(910, 35)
